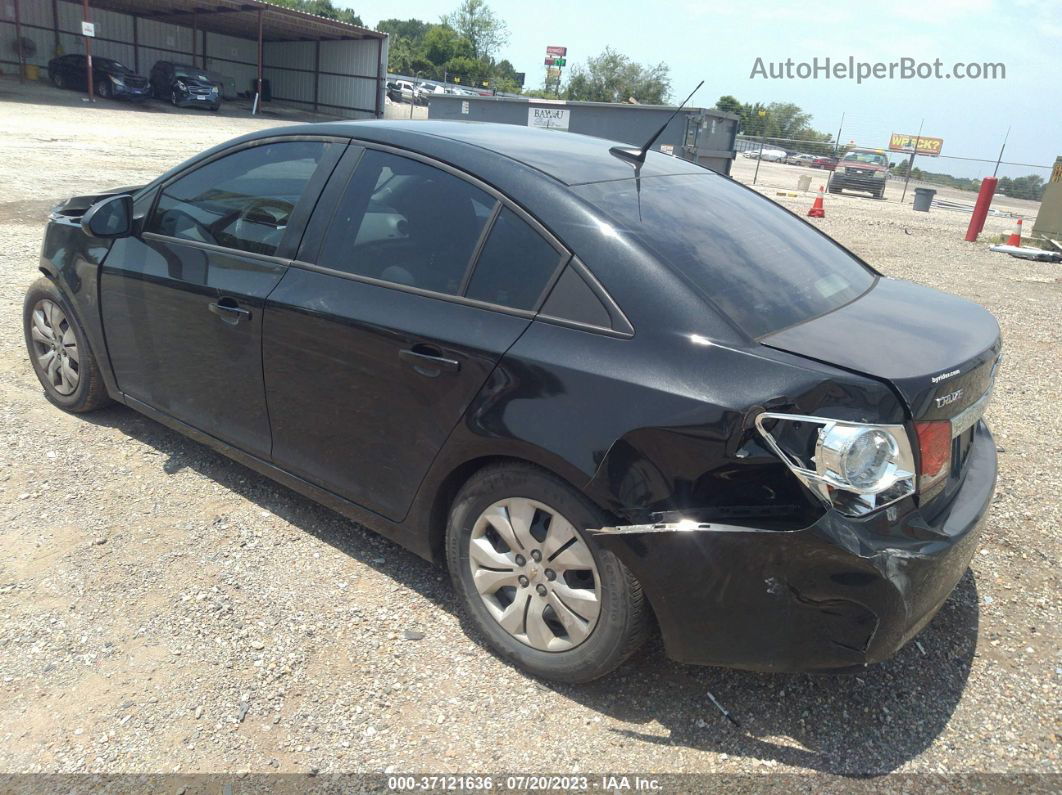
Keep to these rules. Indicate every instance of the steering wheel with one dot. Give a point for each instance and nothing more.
(175, 222)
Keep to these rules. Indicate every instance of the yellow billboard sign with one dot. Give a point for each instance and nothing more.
(900, 142)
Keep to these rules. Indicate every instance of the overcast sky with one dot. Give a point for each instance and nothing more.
(720, 41)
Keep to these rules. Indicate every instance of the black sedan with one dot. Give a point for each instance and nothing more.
(605, 387)
(110, 79)
(184, 85)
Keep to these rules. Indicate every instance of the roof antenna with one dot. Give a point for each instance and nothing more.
(637, 156)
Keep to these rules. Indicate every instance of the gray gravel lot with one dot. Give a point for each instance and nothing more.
(164, 609)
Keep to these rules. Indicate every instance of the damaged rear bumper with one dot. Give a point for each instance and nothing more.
(840, 593)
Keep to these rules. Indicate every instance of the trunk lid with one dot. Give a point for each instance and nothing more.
(937, 350)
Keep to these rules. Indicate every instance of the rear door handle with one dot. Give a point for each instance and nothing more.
(229, 311)
(429, 360)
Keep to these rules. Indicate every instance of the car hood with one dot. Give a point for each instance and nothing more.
(927, 344)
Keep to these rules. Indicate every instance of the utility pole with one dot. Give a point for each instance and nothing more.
(88, 49)
(910, 163)
(837, 143)
(763, 142)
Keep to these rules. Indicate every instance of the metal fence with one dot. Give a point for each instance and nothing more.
(932, 169)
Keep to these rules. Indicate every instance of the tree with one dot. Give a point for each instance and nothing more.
(614, 77)
(413, 29)
(322, 8)
(485, 31)
(442, 43)
(728, 104)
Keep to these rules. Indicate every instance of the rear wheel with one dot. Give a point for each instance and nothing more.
(59, 351)
(534, 583)
(58, 80)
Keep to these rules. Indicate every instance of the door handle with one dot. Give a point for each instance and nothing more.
(228, 311)
(429, 360)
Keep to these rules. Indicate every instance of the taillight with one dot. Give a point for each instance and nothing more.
(934, 447)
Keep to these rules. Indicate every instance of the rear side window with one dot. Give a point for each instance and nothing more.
(762, 266)
(242, 201)
(405, 222)
(515, 265)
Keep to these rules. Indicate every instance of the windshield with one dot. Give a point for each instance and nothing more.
(866, 157)
(762, 266)
(182, 73)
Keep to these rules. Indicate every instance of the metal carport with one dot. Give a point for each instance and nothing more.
(313, 62)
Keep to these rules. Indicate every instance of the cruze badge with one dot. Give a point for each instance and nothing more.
(946, 399)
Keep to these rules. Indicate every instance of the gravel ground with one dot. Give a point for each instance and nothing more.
(164, 609)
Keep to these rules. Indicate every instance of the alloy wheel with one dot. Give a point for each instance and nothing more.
(535, 574)
(55, 347)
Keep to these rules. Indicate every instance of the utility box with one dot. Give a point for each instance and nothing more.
(700, 135)
(1049, 218)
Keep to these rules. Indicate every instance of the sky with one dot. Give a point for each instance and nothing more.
(719, 42)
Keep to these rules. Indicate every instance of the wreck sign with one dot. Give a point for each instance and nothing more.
(901, 142)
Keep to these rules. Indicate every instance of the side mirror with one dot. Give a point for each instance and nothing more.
(110, 218)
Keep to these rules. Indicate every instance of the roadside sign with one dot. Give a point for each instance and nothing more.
(561, 51)
(553, 118)
(88, 29)
(553, 72)
(900, 142)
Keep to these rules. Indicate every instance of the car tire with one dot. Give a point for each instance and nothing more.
(104, 90)
(611, 616)
(58, 80)
(216, 107)
(173, 99)
(39, 315)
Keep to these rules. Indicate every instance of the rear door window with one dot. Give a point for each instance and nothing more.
(759, 264)
(515, 266)
(408, 223)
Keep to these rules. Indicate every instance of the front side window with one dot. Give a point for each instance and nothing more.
(405, 222)
(241, 201)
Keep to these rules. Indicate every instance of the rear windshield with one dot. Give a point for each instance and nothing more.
(759, 264)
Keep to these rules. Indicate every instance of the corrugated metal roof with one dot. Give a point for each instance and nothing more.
(240, 18)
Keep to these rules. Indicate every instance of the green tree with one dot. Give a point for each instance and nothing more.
(486, 32)
(728, 104)
(412, 29)
(614, 77)
(441, 43)
(322, 8)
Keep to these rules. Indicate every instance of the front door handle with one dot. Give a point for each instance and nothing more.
(429, 360)
(227, 310)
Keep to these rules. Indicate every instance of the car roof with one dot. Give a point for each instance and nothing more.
(567, 157)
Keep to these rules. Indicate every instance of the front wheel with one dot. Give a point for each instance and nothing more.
(173, 99)
(534, 583)
(59, 351)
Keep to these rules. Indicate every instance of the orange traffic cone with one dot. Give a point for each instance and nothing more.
(1015, 236)
(817, 210)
